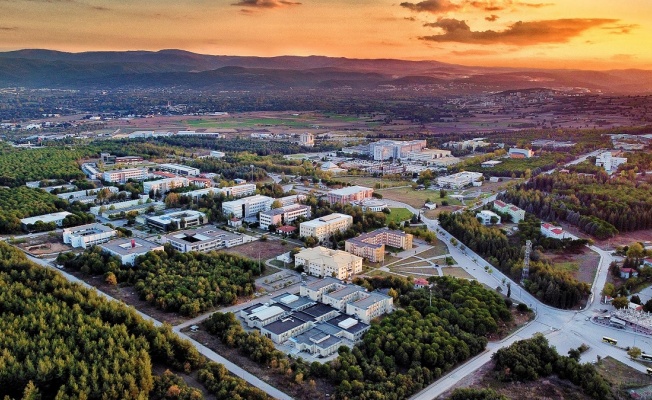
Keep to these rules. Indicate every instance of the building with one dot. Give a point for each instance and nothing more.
(394, 149)
(109, 159)
(321, 261)
(371, 306)
(283, 215)
(283, 329)
(138, 206)
(245, 189)
(247, 207)
(57, 218)
(626, 273)
(85, 196)
(307, 139)
(428, 155)
(176, 220)
(91, 171)
(85, 236)
(487, 217)
(202, 240)
(372, 245)
(163, 186)
(520, 153)
(339, 297)
(459, 180)
(490, 163)
(289, 200)
(514, 212)
(607, 161)
(552, 231)
(259, 315)
(322, 228)
(333, 168)
(421, 283)
(371, 204)
(467, 144)
(129, 249)
(179, 169)
(200, 182)
(315, 290)
(217, 154)
(349, 194)
(123, 175)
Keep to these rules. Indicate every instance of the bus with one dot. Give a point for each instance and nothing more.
(646, 356)
(649, 371)
(609, 340)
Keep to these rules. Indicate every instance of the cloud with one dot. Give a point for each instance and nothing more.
(265, 4)
(519, 33)
(432, 6)
(492, 18)
(621, 29)
(8, 28)
(465, 53)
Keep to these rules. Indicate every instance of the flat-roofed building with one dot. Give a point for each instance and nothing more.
(139, 206)
(292, 199)
(349, 328)
(88, 235)
(217, 154)
(163, 186)
(202, 240)
(371, 204)
(247, 207)
(324, 227)
(349, 194)
(340, 297)
(283, 329)
(56, 217)
(370, 306)
(307, 139)
(180, 169)
(487, 217)
(244, 189)
(321, 261)
(283, 215)
(91, 171)
(459, 180)
(371, 245)
(123, 175)
(428, 154)
(129, 249)
(514, 212)
(395, 149)
(520, 153)
(177, 220)
(552, 231)
(315, 290)
(490, 163)
(607, 161)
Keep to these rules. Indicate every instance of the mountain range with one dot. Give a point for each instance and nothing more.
(36, 68)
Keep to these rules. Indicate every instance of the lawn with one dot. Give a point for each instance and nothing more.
(399, 215)
(568, 266)
(415, 198)
(247, 122)
(372, 182)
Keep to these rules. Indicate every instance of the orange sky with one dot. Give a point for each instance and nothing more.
(587, 34)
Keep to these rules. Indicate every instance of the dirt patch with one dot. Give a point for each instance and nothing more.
(274, 377)
(265, 250)
(581, 265)
(456, 272)
(622, 239)
(519, 319)
(51, 243)
(190, 379)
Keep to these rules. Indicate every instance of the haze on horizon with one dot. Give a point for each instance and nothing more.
(583, 34)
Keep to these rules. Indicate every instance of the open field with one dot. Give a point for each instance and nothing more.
(50, 243)
(457, 272)
(438, 249)
(416, 198)
(371, 182)
(581, 265)
(264, 250)
(399, 215)
(231, 122)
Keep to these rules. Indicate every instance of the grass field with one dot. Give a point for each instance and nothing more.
(399, 215)
(438, 249)
(456, 272)
(248, 122)
(371, 181)
(568, 266)
(416, 198)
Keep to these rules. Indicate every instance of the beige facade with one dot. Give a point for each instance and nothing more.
(372, 245)
(321, 261)
(324, 227)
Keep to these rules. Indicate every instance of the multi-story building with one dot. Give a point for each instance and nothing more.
(217, 154)
(85, 196)
(283, 215)
(315, 290)
(349, 194)
(552, 231)
(370, 306)
(247, 207)
(321, 261)
(88, 235)
(371, 204)
(177, 220)
(307, 139)
(607, 161)
(123, 175)
(203, 240)
(514, 212)
(386, 149)
(487, 217)
(130, 249)
(289, 200)
(91, 171)
(324, 227)
(372, 245)
(57, 218)
(180, 169)
(339, 297)
(459, 180)
(520, 153)
(428, 155)
(163, 186)
(139, 206)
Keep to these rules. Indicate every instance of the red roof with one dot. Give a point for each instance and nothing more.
(628, 270)
(558, 231)
(514, 208)
(499, 203)
(420, 281)
(286, 228)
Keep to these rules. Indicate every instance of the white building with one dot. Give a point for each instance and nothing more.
(458, 180)
(520, 153)
(485, 217)
(163, 186)
(283, 215)
(322, 228)
(386, 149)
(139, 206)
(129, 249)
(217, 154)
(516, 213)
(177, 220)
(247, 207)
(370, 306)
(180, 169)
(321, 261)
(123, 175)
(428, 155)
(551, 231)
(57, 218)
(88, 235)
(607, 161)
(85, 196)
(307, 139)
(371, 204)
(203, 240)
(91, 171)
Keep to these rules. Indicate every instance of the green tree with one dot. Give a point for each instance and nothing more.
(620, 302)
(634, 352)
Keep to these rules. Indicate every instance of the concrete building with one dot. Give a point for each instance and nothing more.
(341, 296)
(371, 204)
(516, 213)
(315, 290)
(281, 330)
(551, 231)
(217, 154)
(123, 175)
(467, 144)
(129, 249)
(57, 218)
(163, 186)
(91, 171)
(85, 236)
(607, 161)
(386, 149)
(139, 206)
(520, 153)
(485, 217)
(247, 207)
(179, 169)
(321, 261)
(324, 227)
(370, 306)
(202, 240)
(428, 155)
(490, 163)
(307, 139)
(176, 220)
(349, 194)
(458, 180)
(372, 245)
(85, 196)
(283, 215)
(289, 200)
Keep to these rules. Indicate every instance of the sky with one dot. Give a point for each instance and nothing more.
(579, 34)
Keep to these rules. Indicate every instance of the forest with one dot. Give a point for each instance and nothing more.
(18, 166)
(519, 167)
(400, 355)
(22, 202)
(599, 205)
(554, 287)
(62, 341)
(188, 283)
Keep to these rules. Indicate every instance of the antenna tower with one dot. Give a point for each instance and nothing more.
(526, 260)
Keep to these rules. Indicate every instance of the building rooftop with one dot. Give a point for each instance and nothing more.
(327, 257)
(345, 191)
(347, 323)
(318, 310)
(370, 300)
(88, 229)
(345, 291)
(326, 219)
(130, 246)
(266, 312)
(284, 325)
(291, 300)
(46, 218)
(284, 209)
(322, 283)
(286, 229)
